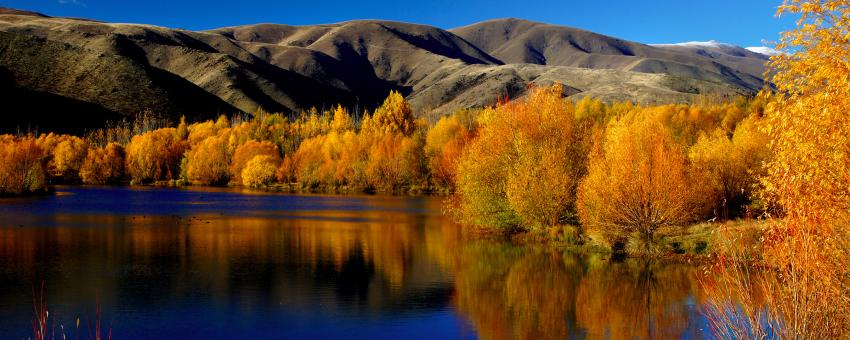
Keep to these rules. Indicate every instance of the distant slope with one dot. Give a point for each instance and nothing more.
(522, 41)
(75, 73)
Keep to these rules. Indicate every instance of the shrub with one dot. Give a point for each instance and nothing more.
(68, 157)
(208, 162)
(523, 167)
(103, 165)
(246, 152)
(260, 171)
(639, 181)
(154, 156)
(443, 146)
(22, 167)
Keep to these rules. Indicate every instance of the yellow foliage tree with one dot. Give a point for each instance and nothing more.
(523, 167)
(443, 146)
(808, 177)
(393, 116)
(154, 156)
(209, 162)
(639, 181)
(341, 120)
(103, 165)
(68, 157)
(246, 152)
(260, 171)
(22, 168)
(733, 166)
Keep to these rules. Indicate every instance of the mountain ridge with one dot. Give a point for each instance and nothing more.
(95, 71)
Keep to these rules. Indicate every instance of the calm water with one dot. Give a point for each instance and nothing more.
(218, 263)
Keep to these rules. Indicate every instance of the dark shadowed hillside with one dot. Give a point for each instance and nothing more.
(70, 74)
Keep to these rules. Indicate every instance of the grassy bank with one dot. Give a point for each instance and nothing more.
(696, 242)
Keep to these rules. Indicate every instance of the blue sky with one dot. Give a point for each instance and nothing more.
(740, 22)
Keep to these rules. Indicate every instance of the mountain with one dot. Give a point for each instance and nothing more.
(68, 74)
(521, 41)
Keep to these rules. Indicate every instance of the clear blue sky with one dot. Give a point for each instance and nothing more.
(741, 22)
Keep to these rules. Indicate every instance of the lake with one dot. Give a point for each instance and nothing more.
(227, 263)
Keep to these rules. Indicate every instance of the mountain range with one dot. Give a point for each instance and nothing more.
(69, 74)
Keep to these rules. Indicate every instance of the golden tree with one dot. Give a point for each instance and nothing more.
(68, 157)
(341, 120)
(22, 168)
(260, 171)
(103, 165)
(443, 146)
(154, 156)
(808, 176)
(522, 169)
(639, 181)
(395, 162)
(246, 152)
(733, 165)
(209, 162)
(393, 116)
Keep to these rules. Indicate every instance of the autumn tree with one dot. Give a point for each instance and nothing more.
(260, 171)
(808, 126)
(208, 163)
(395, 162)
(638, 181)
(103, 165)
(22, 168)
(68, 157)
(154, 156)
(443, 146)
(246, 152)
(341, 120)
(522, 169)
(732, 166)
(393, 116)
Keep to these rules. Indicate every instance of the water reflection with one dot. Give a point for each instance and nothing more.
(275, 266)
(510, 292)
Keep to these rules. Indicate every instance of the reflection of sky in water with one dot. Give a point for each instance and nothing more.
(224, 263)
(184, 203)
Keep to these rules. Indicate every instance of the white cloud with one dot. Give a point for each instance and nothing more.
(764, 50)
(72, 2)
(710, 43)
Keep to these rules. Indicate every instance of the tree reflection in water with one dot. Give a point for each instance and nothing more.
(518, 292)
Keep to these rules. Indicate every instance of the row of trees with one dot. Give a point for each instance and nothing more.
(616, 169)
(534, 162)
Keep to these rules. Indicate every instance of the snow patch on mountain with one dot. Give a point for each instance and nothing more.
(763, 50)
(710, 43)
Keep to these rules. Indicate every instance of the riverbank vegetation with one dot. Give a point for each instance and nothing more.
(613, 174)
(795, 286)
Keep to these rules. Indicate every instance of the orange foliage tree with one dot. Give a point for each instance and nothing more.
(154, 156)
(395, 162)
(260, 171)
(103, 165)
(808, 177)
(22, 168)
(209, 162)
(733, 166)
(522, 169)
(638, 181)
(246, 152)
(443, 146)
(68, 157)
